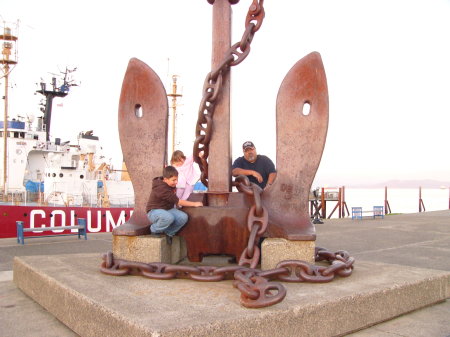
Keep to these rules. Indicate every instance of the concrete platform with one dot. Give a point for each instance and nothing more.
(92, 304)
(420, 240)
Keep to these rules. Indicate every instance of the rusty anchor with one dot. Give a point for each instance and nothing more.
(221, 226)
(231, 222)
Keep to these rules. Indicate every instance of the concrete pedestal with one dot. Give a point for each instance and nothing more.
(149, 248)
(276, 250)
(90, 303)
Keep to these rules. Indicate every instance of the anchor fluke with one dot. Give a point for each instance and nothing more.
(143, 116)
(302, 123)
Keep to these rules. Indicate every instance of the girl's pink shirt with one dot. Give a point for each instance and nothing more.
(188, 173)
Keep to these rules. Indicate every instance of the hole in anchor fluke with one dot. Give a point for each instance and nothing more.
(138, 110)
(306, 108)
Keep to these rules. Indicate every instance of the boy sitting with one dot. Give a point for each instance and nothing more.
(161, 207)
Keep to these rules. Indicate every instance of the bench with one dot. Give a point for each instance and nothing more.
(20, 230)
(357, 212)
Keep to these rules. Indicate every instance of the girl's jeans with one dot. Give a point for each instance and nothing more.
(167, 221)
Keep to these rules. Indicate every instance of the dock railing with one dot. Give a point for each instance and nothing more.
(324, 195)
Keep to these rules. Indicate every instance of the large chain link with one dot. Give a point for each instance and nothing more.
(257, 221)
(213, 85)
(256, 289)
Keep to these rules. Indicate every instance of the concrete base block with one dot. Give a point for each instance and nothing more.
(90, 303)
(149, 248)
(274, 251)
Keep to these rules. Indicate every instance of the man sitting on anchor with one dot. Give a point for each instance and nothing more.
(258, 168)
(161, 207)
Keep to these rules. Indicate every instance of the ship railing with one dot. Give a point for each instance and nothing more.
(119, 200)
(89, 197)
(33, 197)
(50, 146)
(330, 193)
(16, 197)
(122, 200)
(71, 200)
(56, 199)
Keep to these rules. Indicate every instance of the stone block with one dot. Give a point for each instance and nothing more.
(275, 250)
(149, 248)
(90, 303)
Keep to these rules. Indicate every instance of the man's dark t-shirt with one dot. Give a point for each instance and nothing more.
(263, 165)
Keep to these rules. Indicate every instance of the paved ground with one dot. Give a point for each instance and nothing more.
(419, 240)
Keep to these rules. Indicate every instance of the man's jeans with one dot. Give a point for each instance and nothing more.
(169, 222)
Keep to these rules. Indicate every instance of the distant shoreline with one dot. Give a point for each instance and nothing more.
(404, 184)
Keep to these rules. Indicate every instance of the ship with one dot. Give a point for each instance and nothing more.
(50, 182)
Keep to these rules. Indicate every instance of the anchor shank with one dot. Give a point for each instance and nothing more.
(219, 160)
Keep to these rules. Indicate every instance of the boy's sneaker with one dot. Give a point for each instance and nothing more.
(169, 239)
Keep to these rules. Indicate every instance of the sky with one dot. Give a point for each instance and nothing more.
(386, 62)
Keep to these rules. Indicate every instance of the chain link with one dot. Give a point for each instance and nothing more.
(257, 221)
(213, 85)
(257, 289)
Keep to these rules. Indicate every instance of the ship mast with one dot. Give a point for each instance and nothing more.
(56, 91)
(8, 60)
(174, 96)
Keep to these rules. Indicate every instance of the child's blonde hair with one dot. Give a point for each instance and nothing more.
(177, 156)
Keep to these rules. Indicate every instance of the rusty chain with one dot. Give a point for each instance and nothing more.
(213, 84)
(257, 289)
(257, 221)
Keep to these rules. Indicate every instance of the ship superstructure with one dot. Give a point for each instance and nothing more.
(52, 182)
(55, 172)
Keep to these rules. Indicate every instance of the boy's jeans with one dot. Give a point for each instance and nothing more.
(169, 222)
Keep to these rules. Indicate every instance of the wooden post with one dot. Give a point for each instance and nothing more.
(324, 207)
(421, 204)
(219, 161)
(340, 202)
(420, 199)
(385, 200)
(387, 207)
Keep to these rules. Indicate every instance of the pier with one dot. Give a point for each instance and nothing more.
(382, 248)
(328, 201)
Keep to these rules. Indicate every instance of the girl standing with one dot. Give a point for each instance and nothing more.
(188, 173)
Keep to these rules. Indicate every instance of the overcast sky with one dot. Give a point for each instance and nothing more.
(386, 61)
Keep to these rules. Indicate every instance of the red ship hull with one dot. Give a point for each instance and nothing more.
(97, 219)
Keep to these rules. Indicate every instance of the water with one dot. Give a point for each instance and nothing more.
(401, 200)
